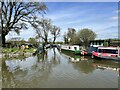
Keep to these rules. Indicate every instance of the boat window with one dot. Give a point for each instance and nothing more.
(108, 51)
(75, 48)
(69, 47)
(98, 43)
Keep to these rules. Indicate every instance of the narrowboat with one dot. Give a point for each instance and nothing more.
(76, 49)
(107, 53)
(71, 48)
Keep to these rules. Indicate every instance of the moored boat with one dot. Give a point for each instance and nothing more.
(76, 49)
(71, 48)
(107, 53)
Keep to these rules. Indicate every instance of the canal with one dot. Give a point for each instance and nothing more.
(55, 69)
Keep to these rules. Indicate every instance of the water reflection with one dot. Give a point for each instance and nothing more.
(29, 69)
(81, 63)
(60, 68)
(88, 65)
(84, 66)
(23, 65)
(106, 64)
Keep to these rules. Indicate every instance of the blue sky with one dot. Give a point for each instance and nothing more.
(101, 17)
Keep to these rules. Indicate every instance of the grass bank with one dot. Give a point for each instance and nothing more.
(17, 50)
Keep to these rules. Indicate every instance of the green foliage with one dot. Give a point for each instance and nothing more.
(9, 50)
(65, 38)
(82, 37)
(30, 50)
(59, 42)
(32, 41)
(105, 44)
(86, 35)
(71, 36)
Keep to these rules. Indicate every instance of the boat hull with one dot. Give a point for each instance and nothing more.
(72, 51)
(96, 55)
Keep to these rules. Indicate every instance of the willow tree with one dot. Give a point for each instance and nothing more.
(17, 15)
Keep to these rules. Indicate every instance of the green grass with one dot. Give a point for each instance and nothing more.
(9, 50)
(30, 50)
(15, 50)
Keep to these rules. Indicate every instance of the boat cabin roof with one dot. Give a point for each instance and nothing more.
(72, 45)
(113, 48)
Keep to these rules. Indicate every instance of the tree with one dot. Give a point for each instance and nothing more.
(86, 35)
(32, 41)
(0, 28)
(71, 33)
(55, 31)
(105, 44)
(65, 38)
(17, 15)
(43, 27)
(70, 37)
(75, 39)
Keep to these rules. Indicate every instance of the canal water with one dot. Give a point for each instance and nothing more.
(55, 69)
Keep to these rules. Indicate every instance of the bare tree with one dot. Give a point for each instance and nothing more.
(43, 27)
(16, 15)
(55, 31)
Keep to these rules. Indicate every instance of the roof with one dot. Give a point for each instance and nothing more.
(70, 45)
(114, 48)
(97, 40)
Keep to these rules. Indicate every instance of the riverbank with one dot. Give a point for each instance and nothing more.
(16, 52)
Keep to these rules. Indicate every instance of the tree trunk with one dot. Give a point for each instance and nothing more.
(3, 40)
(46, 41)
(54, 40)
(0, 41)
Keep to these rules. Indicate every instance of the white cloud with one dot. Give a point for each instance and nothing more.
(59, 16)
(117, 11)
(24, 34)
(114, 18)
